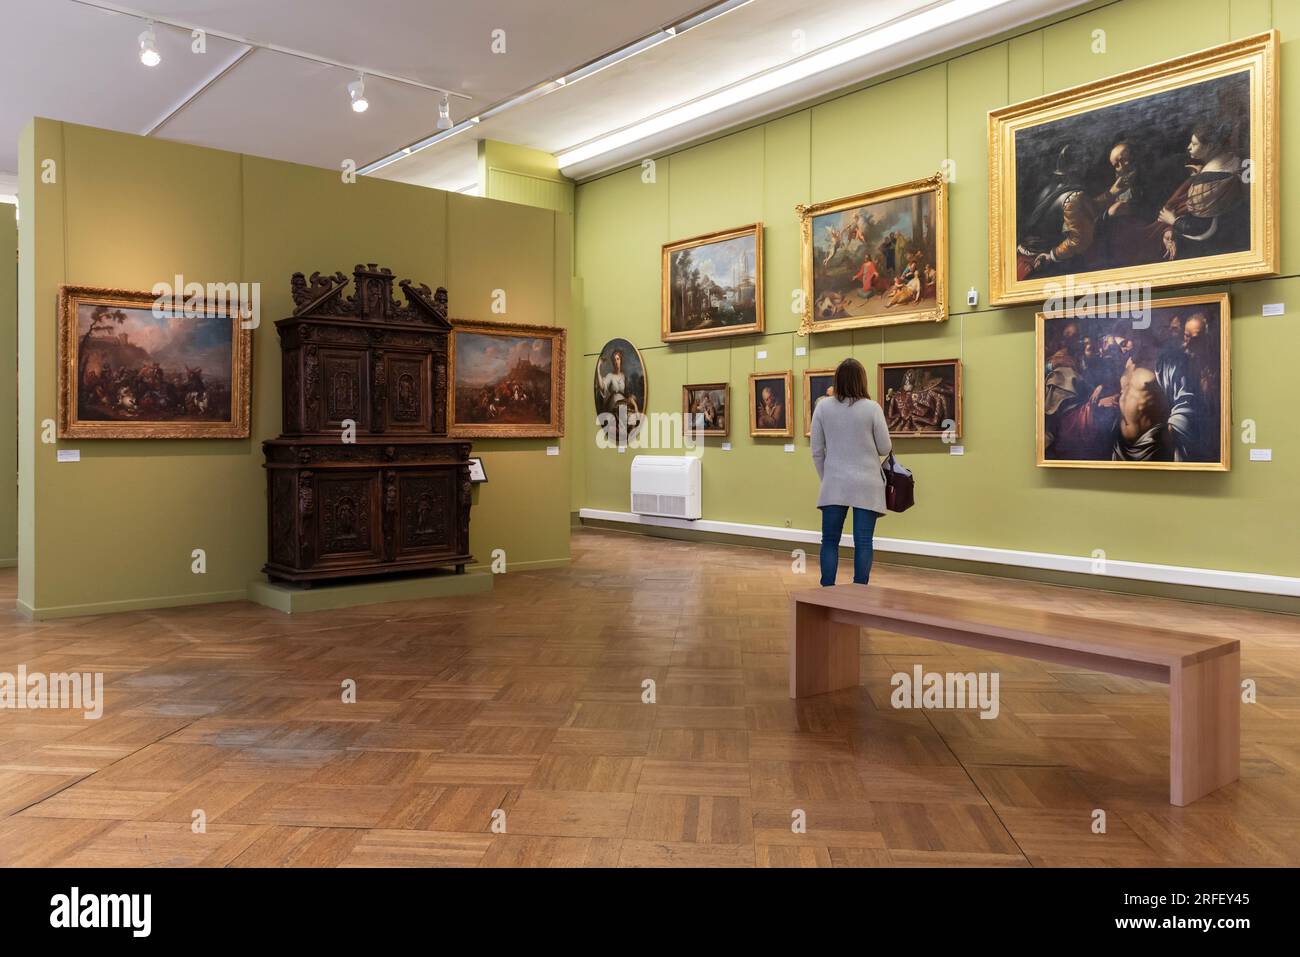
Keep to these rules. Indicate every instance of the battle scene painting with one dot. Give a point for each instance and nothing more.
(506, 380)
(133, 369)
(1151, 393)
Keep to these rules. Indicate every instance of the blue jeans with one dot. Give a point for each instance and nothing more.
(864, 527)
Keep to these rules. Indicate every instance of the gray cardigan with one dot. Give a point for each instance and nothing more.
(848, 442)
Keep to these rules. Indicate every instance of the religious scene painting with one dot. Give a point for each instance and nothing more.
(1136, 185)
(875, 259)
(620, 389)
(770, 397)
(818, 384)
(132, 368)
(506, 380)
(1115, 392)
(921, 399)
(713, 285)
(707, 408)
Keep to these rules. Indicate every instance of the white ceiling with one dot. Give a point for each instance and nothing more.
(67, 61)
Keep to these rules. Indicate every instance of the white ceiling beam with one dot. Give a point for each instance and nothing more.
(198, 91)
(272, 47)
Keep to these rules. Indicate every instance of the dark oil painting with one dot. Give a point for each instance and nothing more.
(1159, 178)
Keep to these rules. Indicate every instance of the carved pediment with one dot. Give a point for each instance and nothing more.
(371, 299)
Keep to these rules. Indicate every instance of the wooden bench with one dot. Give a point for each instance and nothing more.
(1203, 673)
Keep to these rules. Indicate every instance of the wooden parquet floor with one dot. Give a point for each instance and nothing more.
(529, 701)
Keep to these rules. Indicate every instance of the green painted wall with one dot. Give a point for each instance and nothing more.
(517, 174)
(994, 495)
(8, 385)
(115, 530)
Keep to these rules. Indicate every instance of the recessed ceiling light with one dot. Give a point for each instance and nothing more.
(357, 92)
(149, 54)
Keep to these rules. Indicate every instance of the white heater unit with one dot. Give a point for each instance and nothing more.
(667, 485)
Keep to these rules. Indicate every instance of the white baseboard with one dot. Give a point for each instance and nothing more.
(1077, 564)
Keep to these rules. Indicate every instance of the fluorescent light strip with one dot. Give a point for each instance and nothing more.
(704, 16)
(874, 40)
(425, 143)
(542, 89)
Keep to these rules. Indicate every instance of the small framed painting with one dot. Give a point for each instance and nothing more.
(707, 408)
(506, 380)
(818, 384)
(921, 399)
(134, 366)
(477, 474)
(1142, 390)
(713, 285)
(876, 259)
(770, 395)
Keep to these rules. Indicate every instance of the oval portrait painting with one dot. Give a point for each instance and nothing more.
(620, 390)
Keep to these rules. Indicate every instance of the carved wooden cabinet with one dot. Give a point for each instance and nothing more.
(363, 480)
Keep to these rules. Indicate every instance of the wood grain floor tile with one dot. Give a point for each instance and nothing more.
(529, 702)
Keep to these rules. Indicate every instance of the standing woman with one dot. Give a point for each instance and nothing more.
(849, 439)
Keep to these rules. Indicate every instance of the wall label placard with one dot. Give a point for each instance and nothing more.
(69, 455)
(1275, 309)
(1261, 455)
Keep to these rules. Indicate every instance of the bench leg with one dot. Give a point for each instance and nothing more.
(1205, 727)
(823, 653)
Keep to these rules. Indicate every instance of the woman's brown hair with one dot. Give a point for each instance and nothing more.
(851, 381)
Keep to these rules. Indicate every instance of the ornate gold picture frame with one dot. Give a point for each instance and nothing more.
(771, 401)
(1136, 391)
(132, 366)
(712, 285)
(876, 259)
(505, 380)
(707, 404)
(1166, 176)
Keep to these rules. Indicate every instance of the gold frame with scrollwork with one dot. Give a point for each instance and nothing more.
(553, 429)
(72, 427)
(937, 184)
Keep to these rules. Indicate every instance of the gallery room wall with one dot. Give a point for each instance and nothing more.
(8, 383)
(898, 130)
(117, 529)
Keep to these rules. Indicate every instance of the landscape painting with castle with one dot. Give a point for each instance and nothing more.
(504, 380)
(130, 369)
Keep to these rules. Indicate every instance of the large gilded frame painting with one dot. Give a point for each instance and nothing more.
(134, 366)
(506, 381)
(876, 259)
(712, 285)
(1133, 389)
(1164, 176)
